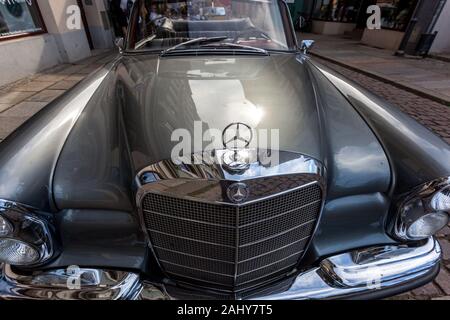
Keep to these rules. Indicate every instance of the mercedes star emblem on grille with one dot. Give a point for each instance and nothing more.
(238, 192)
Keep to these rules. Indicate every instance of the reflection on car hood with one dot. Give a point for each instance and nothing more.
(262, 92)
(159, 95)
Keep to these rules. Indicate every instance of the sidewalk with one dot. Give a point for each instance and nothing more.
(22, 99)
(429, 78)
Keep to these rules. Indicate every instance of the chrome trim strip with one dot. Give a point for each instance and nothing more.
(190, 220)
(275, 250)
(213, 169)
(147, 189)
(275, 195)
(288, 268)
(279, 234)
(271, 264)
(196, 279)
(236, 244)
(196, 269)
(193, 255)
(281, 214)
(186, 238)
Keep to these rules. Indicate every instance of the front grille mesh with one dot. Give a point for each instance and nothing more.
(231, 247)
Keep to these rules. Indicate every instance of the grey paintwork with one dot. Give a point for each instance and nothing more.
(416, 154)
(77, 158)
(158, 96)
(100, 237)
(28, 156)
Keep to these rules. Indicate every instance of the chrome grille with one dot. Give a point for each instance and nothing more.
(231, 247)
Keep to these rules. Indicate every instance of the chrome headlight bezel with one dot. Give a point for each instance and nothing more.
(421, 198)
(30, 227)
(441, 200)
(8, 227)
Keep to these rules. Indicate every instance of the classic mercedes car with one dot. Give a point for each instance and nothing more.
(122, 188)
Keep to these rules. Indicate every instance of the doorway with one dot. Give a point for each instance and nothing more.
(85, 24)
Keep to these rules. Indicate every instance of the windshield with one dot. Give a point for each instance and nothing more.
(165, 24)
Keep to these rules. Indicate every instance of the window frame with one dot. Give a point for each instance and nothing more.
(28, 34)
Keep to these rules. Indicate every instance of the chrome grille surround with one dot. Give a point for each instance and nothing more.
(200, 237)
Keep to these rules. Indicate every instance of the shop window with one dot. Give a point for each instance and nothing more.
(19, 17)
(395, 14)
(337, 10)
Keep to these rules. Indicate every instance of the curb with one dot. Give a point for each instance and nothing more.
(406, 87)
(438, 57)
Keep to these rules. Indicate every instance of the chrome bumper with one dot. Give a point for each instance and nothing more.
(357, 273)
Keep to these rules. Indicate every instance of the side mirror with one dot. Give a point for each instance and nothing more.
(119, 43)
(306, 45)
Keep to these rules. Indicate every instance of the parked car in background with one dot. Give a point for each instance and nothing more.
(97, 202)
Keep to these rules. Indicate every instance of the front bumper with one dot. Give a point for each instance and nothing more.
(374, 272)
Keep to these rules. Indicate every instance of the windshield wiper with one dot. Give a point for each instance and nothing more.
(193, 41)
(238, 46)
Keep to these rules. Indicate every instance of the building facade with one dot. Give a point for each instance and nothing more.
(35, 34)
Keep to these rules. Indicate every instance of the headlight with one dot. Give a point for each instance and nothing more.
(18, 253)
(25, 237)
(427, 225)
(424, 212)
(441, 200)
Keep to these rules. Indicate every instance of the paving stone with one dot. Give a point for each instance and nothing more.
(5, 106)
(444, 232)
(89, 69)
(76, 77)
(442, 298)
(404, 296)
(70, 69)
(14, 97)
(46, 95)
(33, 86)
(428, 290)
(108, 58)
(64, 84)
(9, 124)
(24, 109)
(443, 281)
(445, 246)
(50, 77)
